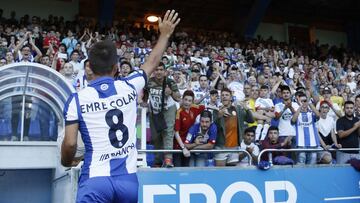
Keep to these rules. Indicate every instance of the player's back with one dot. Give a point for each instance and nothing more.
(107, 128)
(106, 114)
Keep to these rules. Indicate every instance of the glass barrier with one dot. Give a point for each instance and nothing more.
(32, 98)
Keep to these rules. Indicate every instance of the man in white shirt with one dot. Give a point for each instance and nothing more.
(248, 145)
(283, 112)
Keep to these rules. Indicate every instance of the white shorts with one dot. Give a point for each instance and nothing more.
(229, 157)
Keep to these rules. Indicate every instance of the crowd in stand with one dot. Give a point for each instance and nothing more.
(212, 90)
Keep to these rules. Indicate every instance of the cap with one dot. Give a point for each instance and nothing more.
(323, 102)
(327, 90)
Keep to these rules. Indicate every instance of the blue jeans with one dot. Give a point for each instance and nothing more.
(307, 157)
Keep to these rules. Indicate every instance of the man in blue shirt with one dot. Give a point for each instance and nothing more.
(202, 136)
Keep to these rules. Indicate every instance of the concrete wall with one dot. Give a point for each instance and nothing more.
(279, 33)
(41, 8)
(30, 186)
(331, 37)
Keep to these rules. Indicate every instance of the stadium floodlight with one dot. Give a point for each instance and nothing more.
(152, 18)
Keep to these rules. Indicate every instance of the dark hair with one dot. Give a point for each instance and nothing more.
(206, 114)
(189, 93)
(213, 92)
(162, 65)
(63, 45)
(264, 87)
(102, 57)
(300, 88)
(285, 87)
(273, 128)
(249, 130)
(203, 76)
(25, 46)
(126, 62)
(357, 96)
(301, 94)
(225, 89)
(195, 71)
(75, 51)
(348, 102)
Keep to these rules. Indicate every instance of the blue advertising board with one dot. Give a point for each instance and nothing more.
(234, 185)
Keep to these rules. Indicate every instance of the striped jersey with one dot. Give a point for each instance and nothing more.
(106, 112)
(306, 130)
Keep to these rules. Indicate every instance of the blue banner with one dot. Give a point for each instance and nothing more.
(234, 185)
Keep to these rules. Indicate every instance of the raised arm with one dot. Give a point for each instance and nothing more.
(34, 47)
(166, 28)
(20, 45)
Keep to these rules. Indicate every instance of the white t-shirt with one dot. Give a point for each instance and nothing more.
(245, 160)
(238, 90)
(326, 125)
(78, 66)
(285, 126)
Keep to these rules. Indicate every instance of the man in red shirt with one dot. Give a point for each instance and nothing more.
(51, 39)
(185, 118)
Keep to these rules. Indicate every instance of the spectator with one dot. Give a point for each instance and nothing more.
(70, 42)
(25, 54)
(248, 144)
(347, 128)
(185, 118)
(283, 112)
(273, 141)
(306, 131)
(202, 136)
(357, 106)
(231, 121)
(68, 73)
(264, 106)
(326, 126)
(335, 111)
(202, 93)
(164, 138)
(235, 84)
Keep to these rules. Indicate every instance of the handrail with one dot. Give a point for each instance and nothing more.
(197, 151)
(303, 150)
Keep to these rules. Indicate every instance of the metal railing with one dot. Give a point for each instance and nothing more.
(199, 151)
(303, 150)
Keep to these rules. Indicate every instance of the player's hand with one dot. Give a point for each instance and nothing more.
(168, 24)
(186, 152)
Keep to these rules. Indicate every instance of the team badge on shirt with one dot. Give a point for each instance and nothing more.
(104, 87)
